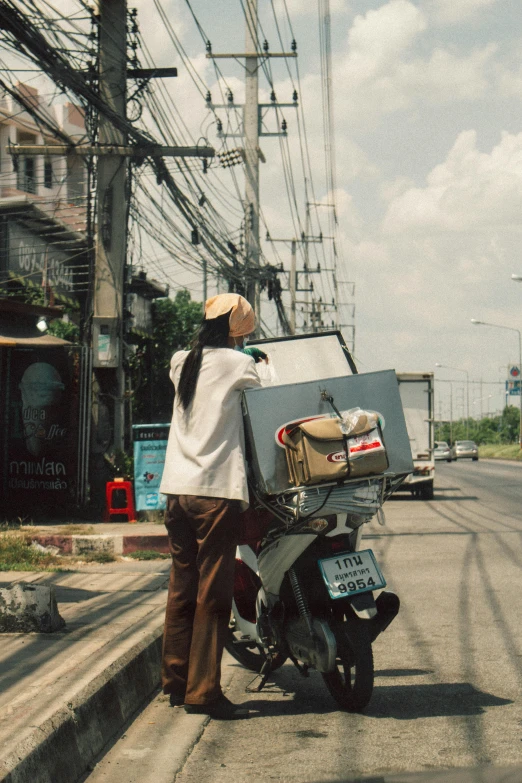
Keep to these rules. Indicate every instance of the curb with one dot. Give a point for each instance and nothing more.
(64, 746)
(107, 544)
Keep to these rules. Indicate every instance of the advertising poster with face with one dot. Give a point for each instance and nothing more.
(41, 436)
(150, 447)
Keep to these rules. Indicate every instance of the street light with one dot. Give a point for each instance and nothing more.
(510, 329)
(457, 369)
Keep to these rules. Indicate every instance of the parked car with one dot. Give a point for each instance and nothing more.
(442, 451)
(464, 449)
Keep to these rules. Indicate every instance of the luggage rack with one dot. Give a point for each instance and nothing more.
(362, 497)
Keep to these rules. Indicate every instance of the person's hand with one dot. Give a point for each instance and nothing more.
(256, 353)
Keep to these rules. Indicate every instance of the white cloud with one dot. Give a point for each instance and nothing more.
(390, 190)
(379, 39)
(447, 77)
(471, 190)
(382, 72)
(510, 82)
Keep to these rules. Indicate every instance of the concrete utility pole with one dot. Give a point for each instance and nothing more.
(251, 133)
(111, 226)
(293, 279)
(293, 285)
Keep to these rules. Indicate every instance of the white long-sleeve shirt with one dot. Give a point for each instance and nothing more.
(205, 450)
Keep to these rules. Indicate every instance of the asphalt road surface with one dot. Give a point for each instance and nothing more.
(448, 670)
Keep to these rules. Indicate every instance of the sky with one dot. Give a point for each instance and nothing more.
(427, 107)
(427, 98)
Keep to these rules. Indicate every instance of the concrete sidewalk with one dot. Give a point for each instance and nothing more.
(115, 538)
(65, 695)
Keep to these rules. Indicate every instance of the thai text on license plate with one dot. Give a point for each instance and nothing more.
(349, 573)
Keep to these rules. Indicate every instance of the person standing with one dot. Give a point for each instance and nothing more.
(206, 486)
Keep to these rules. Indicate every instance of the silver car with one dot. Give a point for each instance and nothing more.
(464, 449)
(442, 451)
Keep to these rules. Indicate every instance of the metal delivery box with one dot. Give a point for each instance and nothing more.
(267, 409)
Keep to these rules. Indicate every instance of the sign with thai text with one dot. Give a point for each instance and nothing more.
(150, 447)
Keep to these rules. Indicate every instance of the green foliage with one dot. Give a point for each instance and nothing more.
(35, 295)
(175, 322)
(66, 331)
(509, 451)
(495, 429)
(148, 554)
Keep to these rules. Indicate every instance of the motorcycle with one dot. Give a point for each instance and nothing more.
(305, 592)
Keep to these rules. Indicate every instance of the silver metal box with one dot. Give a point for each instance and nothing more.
(267, 409)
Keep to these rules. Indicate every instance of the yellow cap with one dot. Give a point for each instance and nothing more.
(242, 319)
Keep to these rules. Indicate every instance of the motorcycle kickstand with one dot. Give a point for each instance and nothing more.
(301, 668)
(263, 676)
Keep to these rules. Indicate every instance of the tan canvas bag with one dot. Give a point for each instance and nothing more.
(316, 451)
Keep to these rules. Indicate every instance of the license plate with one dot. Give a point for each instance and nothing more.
(350, 573)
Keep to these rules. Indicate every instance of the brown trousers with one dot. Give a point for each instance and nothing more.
(203, 534)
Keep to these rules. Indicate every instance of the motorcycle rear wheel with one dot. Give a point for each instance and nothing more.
(252, 658)
(351, 682)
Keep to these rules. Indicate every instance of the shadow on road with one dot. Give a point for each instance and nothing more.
(407, 702)
(483, 774)
(453, 498)
(438, 497)
(399, 702)
(402, 672)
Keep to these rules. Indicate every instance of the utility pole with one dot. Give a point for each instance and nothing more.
(293, 285)
(252, 130)
(111, 229)
(113, 152)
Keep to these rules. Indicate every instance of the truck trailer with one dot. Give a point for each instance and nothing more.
(417, 396)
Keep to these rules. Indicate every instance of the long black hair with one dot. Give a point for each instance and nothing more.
(213, 333)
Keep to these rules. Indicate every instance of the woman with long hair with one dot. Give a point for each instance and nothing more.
(206, 487)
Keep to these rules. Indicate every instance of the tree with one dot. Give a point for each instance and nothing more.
(174, 323)
(491, 429)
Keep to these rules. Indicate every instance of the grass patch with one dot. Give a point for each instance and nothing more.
(16, 554)
(97, 557)
(501, 451)
(148, 554)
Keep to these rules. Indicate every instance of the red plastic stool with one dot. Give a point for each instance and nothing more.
(120, 499)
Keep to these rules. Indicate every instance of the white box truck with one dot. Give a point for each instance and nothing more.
(417, 396)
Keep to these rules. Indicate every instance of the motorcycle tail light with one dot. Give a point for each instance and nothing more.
(246, 586)
(336, 546)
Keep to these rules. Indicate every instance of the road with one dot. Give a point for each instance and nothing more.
(448, 670)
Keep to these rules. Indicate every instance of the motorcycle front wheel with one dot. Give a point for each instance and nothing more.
(252, 656)
(351, 682)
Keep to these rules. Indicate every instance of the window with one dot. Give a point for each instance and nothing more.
(26, 175)
(48, 173)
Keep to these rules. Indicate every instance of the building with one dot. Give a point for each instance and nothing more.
(43, 245)
(57, 183)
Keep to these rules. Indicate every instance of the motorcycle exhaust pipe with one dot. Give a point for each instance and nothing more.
(388, 605)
